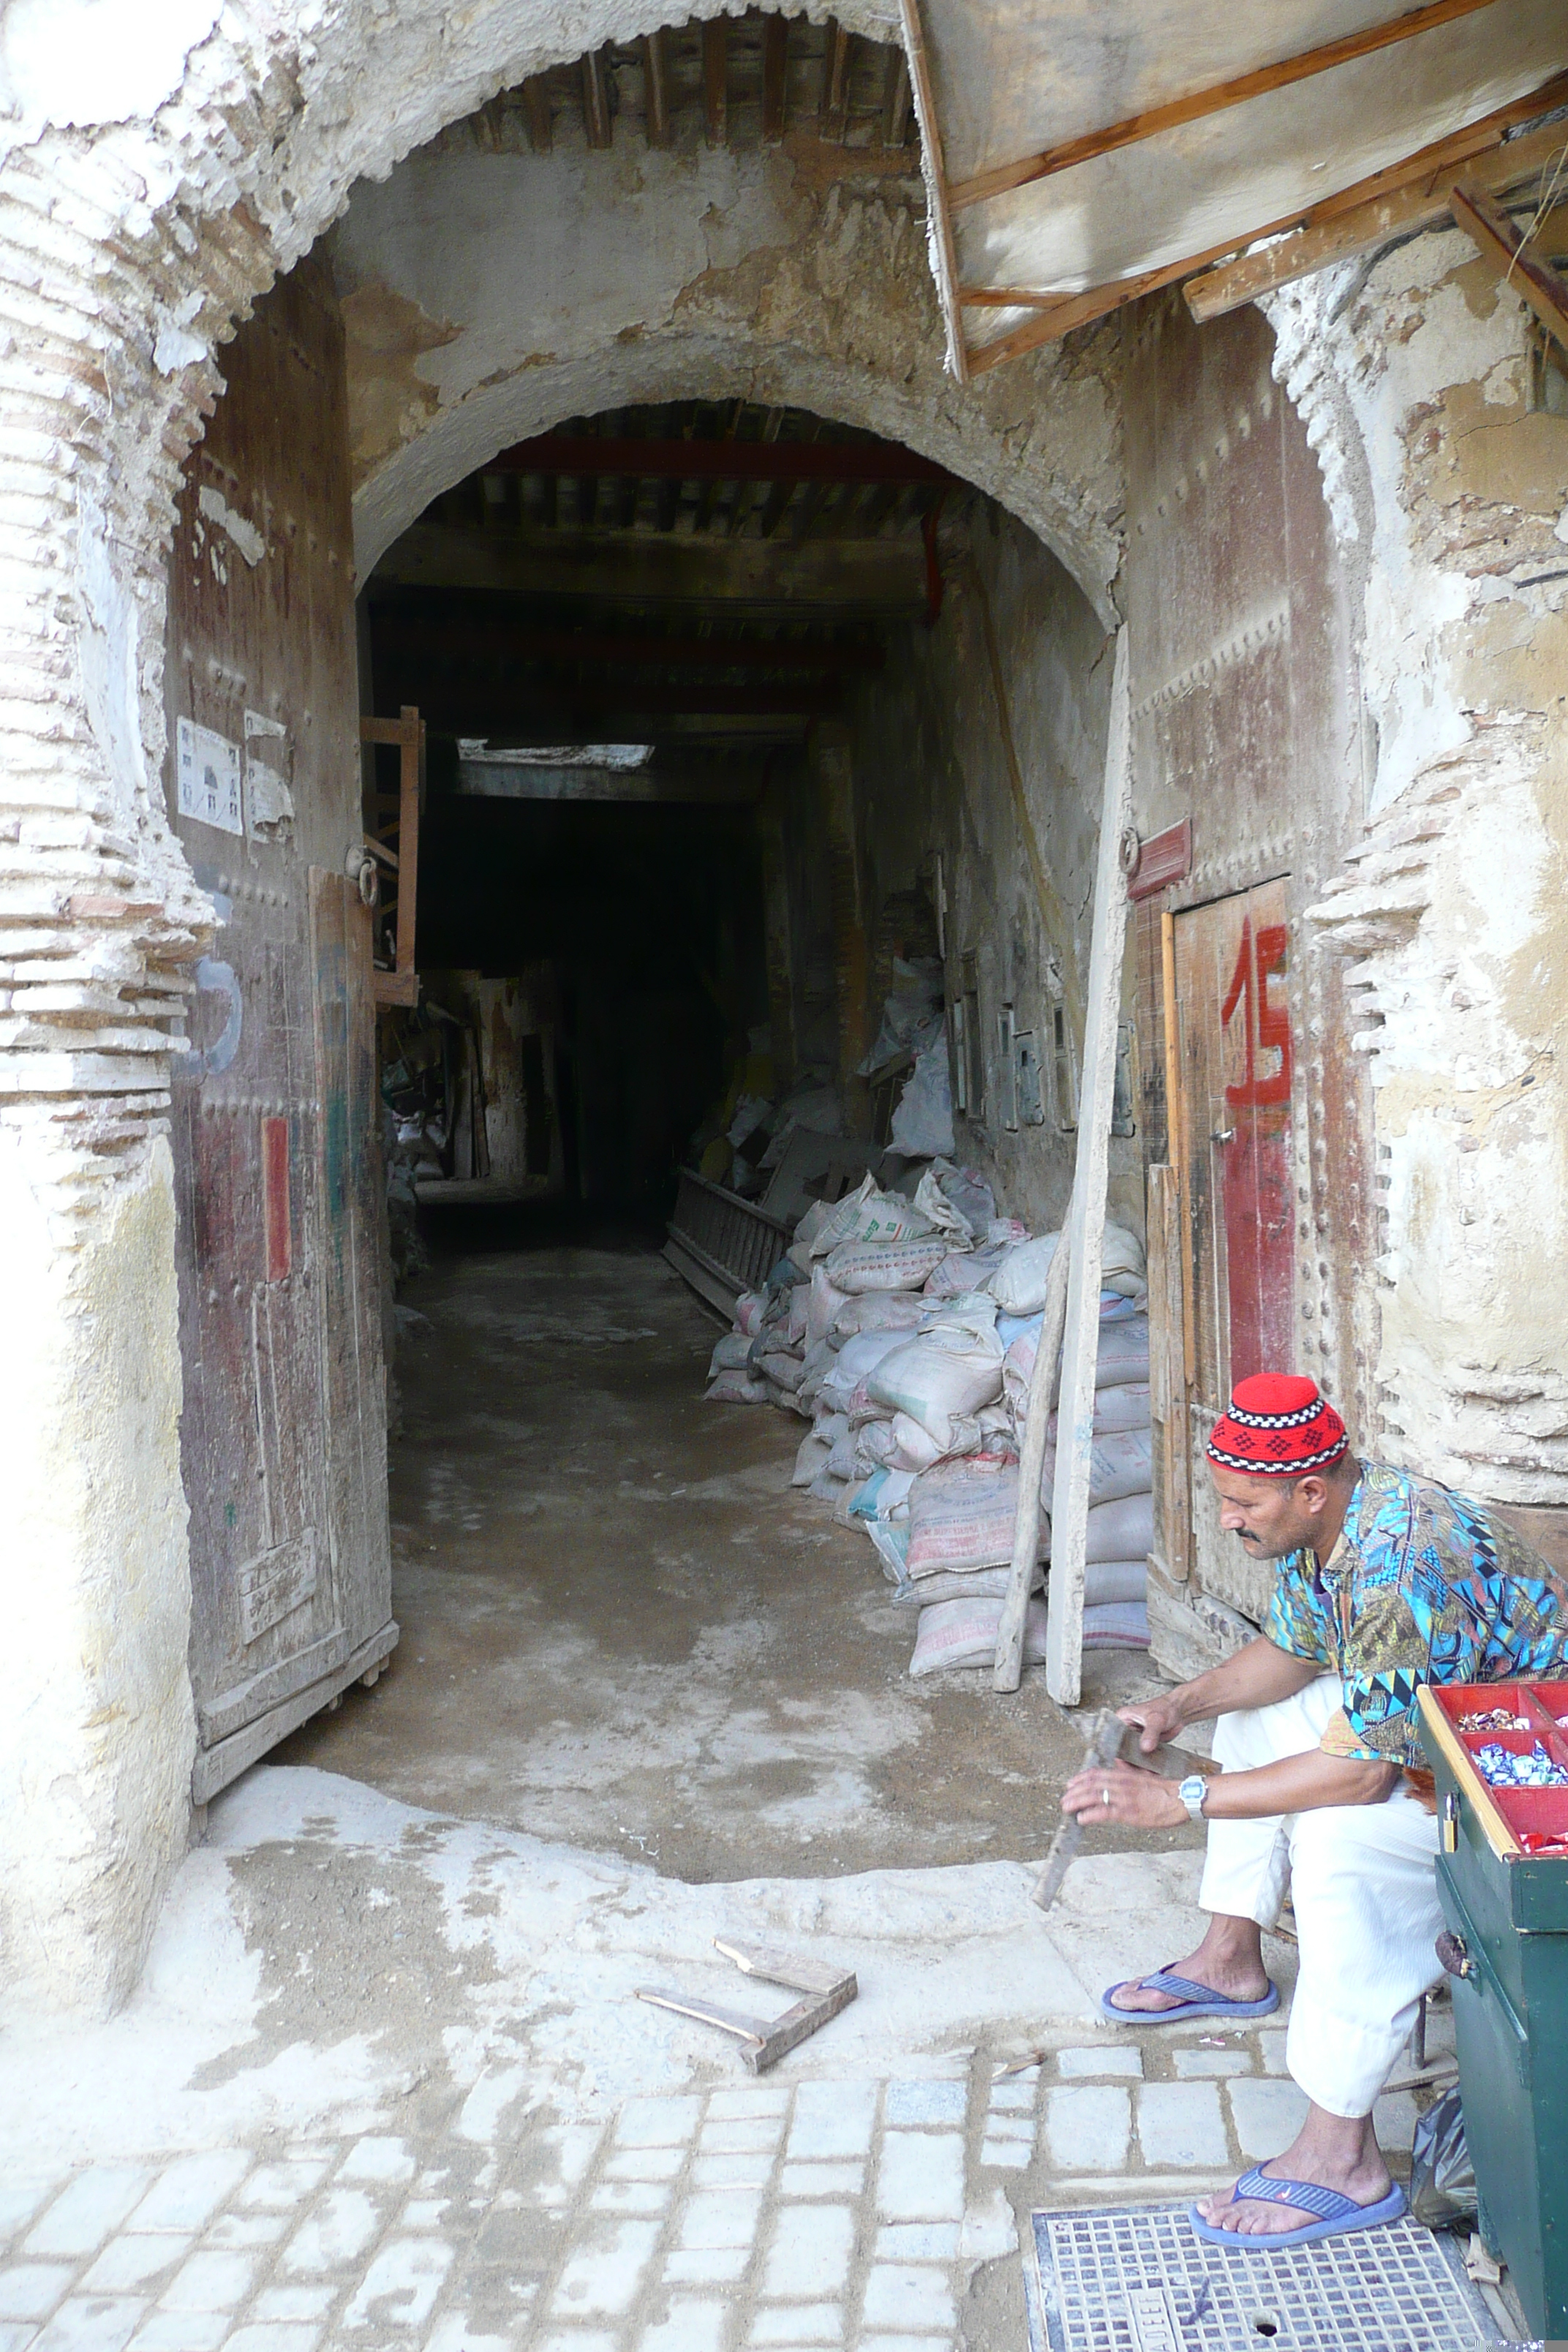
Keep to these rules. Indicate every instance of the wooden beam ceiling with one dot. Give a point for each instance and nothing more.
(398, 634)
(868, 579)
(1134, 127)
(587, 454)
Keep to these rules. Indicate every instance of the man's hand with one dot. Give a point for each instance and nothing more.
(1125, 1793)
(1159, 1719)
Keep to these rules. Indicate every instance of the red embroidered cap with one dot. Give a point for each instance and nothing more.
(1279, 1425)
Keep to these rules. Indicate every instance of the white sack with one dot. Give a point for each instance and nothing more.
(855, 1360)
(855, 1267)
(823, 1305)
(1120, 1464)
(963, 1633)
(730, 1354)
(1124, 1531)
(737, 1388)
(1109, 1583)
(932, 1203)
(879, 1310)
(1124, 1406)
(952, 1368)
(1019, 1285)
(811, 1458)
(868, 1214)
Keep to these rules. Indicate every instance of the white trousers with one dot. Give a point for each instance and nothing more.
(1365, 1896)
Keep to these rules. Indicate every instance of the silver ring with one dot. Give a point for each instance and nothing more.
(1105, 1799)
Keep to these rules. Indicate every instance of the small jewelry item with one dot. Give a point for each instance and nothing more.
(1191, 1792)
(1105, 1799)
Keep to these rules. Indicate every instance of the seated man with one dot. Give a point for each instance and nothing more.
(1384, 1582)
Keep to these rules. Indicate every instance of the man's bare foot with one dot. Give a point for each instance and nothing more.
(1229, 1961)
(1332, 2151)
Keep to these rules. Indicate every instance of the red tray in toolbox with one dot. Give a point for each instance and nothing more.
(1538, 1812)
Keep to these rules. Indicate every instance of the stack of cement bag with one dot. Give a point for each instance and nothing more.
(905, 1333)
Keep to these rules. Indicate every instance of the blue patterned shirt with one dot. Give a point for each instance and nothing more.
(1423, 1586)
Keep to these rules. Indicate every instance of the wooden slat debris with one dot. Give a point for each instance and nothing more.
(1508, 248)
(827, 1989)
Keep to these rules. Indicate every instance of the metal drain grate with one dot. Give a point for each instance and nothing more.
(1137, 2278)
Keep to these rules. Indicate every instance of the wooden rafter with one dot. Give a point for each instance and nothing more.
(716, 80)
(1339, 229)
(896, 101)
(1060, 314)
(596, 100)
(594, 453)
(536, 113)
(836, 84)
(656, 91)
(1213, 100)
(1509, 250)
(776, 61)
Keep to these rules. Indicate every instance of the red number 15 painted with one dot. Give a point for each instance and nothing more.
(1267, 1026)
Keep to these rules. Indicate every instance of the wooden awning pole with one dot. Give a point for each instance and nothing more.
(1085, 1234)
(1008, 1670)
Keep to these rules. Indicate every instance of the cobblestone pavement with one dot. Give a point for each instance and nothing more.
(836, 2213)
(385, 2088)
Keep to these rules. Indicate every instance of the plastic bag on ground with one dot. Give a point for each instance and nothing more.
(879, 1310)
(1442, 2178)
(737, 1387)
(855, 1267)
(866, 1215)
(923, 1123)
(909, 1012)
(949, 1370)
(934, 1203)
(730, 1353)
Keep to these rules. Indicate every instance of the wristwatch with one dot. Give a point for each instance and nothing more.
(1191, 1792)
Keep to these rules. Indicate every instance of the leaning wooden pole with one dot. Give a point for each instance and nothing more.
(1085, 1234)
(1009, 1666)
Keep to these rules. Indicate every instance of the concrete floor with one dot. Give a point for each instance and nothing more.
(623, 1629)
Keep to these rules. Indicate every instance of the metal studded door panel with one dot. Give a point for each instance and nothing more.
(274, 1118)
(1247, 727)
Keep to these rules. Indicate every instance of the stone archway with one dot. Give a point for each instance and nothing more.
(155, 179)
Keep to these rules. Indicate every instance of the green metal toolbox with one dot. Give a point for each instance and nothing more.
(1502, 1876)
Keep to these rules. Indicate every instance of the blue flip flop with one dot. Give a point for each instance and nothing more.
(1196, 2001)
(1335, 2214)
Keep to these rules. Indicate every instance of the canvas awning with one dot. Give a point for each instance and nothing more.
(1087, 150)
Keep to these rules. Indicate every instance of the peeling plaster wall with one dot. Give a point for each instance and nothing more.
(932, 777)
(1452, 498)
(489, 296)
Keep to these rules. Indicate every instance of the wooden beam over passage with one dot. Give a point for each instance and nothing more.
(403, 634)
(596, 455)
(776, 61)
(1545, 290)
(777, 580)
(716, 80)
(1213, 100)
(1339, 229)
(656, 91)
